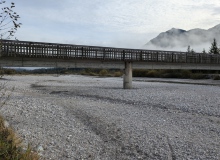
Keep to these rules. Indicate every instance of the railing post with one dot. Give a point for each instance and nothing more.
(103, 54)
(1, 46)
(123, 55)
(82, 52)
(15, 50)
(172, 57)
(140, 56)
(157, 56)
(57, 51)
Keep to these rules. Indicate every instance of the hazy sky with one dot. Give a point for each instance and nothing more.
(117, 23)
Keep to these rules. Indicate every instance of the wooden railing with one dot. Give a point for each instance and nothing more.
(11, 48)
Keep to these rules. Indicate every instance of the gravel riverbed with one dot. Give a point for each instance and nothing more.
(76, 117)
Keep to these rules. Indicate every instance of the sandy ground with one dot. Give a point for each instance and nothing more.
(78, 117)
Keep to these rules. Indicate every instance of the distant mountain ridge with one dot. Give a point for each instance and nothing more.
(174, 39)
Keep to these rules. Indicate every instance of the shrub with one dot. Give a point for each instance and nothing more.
(171, 75)
(9, 71)
(152, 73)
(186, 73)
(83, 72)
(103, 72)
(93, 74)
(198, 76)
(140, 73)
(88, 70)
(118, 74)
(64, 71)
(216, 77)
(10, 146)
(2, 72)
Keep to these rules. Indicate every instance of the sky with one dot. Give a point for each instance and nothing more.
(113, 23)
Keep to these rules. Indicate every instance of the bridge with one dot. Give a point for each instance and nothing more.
(39, 54)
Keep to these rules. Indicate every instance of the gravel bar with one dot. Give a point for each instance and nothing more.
(75, 117)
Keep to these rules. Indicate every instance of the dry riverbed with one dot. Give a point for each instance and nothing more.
(78, 117)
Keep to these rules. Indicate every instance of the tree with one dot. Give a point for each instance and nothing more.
(214, 49)
(8, 26)
(204, 51)
(188, 49)
(8, 21)
(192, 51)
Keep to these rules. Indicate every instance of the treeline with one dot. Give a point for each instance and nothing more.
(61, 71)
(185, 74)
(214, 49)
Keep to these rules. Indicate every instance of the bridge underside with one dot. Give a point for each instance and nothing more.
(39, 54)
(89, 63)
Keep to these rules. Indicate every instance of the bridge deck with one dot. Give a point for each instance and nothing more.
(32, 50)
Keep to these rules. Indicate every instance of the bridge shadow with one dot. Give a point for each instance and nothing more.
(118, 88)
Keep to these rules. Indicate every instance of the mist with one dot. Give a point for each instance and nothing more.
(179, 40)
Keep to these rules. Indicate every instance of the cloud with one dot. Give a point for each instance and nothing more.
(216, 10)
(121, 15)
(105, 22)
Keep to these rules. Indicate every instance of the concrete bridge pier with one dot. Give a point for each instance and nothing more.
(127, 83)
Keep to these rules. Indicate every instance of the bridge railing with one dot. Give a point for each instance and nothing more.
(66, 51)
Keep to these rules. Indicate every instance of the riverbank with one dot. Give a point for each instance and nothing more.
(81, 117)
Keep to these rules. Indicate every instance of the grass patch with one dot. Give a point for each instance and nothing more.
(11, 147)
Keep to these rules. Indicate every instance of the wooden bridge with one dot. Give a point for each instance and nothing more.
(38, 54)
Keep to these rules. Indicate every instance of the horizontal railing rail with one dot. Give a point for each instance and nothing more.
(10, 48)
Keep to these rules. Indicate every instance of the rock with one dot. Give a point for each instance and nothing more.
(40, 148)
(6, 124)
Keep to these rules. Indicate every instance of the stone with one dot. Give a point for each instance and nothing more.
(6, 124)
(40, 148)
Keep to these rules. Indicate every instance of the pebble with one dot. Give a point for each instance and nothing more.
(94, 118)
(40, 149)
(6, 124)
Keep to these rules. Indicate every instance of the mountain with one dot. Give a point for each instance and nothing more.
(179, 39)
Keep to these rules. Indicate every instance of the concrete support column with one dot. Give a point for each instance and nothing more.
(127, 84)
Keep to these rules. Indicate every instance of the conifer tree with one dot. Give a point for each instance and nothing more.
(214, 49)
(192, 51)
(188, 49)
